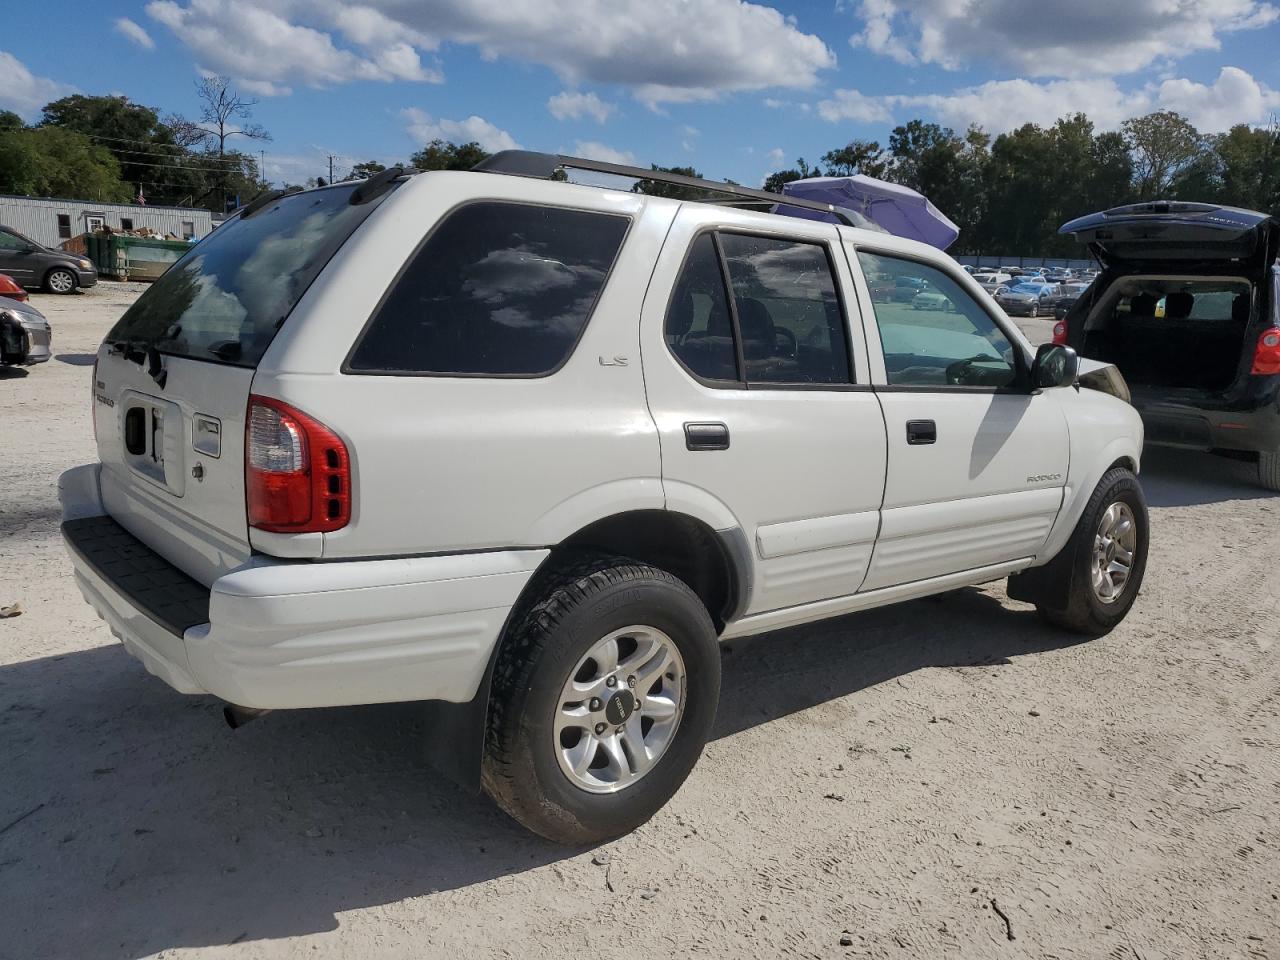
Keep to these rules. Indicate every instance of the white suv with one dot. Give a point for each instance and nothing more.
(526, 449)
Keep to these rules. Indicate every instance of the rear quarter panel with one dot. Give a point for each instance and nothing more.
(469, 463)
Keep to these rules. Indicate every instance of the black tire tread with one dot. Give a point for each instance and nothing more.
(554, 593)
(1079, 616)
(1269, 470)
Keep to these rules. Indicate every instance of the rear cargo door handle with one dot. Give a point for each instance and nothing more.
(921, 432)
(706, 436)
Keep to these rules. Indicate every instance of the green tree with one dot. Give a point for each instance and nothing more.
(780, 178)
(150, 153)
(443, 155)
(53, 162)
(362, 171)
(1163, 145)
(1249, 165)
(909, 144)
(656, 188)
(10, 121)
(857, 156)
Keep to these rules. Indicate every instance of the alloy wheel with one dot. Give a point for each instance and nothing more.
(1114, 546)
(619, 710)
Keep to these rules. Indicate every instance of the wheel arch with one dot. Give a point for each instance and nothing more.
(714, 564)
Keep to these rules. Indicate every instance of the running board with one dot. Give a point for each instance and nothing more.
(822, 609)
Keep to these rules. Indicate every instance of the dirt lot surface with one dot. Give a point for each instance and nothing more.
(946, 778)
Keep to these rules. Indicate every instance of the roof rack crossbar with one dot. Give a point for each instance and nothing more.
(528, 163)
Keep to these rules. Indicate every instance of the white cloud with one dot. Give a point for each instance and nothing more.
(1056, 38)
(1002, 105)
(126, 27)
(665, 51)
(594, 150)
(266, 53)
(569, 105)
(852, 105)
(1235, 97)
(776, 157)
(22, 91)
(423, 128)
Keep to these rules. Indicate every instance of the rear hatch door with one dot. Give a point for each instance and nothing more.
(174, 375)
(1145, 232)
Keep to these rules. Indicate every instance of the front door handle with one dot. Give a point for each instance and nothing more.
(921, 432)
(706, 436)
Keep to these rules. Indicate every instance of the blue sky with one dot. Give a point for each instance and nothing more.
(735, 89)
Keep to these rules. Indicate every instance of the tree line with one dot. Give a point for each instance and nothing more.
(1008, 194)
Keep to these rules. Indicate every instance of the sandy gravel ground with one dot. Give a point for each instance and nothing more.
(889, 779)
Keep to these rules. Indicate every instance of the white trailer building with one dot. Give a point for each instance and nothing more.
(50, 221)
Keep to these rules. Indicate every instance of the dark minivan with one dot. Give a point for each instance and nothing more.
(1187, 307)
(39, 268)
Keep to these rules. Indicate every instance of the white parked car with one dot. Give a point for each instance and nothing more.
(528, 449)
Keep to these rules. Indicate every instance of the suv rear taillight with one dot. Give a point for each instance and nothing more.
(1060, 332)
(1266, 356)
(297, 473)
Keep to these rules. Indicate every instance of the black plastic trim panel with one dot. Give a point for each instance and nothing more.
(150, 582)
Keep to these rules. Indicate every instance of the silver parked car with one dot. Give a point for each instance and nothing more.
(25, 334)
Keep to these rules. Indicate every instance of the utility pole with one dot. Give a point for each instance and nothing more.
(331, 168)
(262, 167)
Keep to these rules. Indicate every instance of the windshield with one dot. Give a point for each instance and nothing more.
(225, 299)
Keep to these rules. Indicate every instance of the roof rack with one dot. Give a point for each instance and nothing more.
(543, 166)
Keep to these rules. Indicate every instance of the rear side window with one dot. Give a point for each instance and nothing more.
(777, 319)
(498, 289)
(698, 327)
(226, 298)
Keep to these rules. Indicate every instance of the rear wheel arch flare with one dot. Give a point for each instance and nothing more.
(684, 546)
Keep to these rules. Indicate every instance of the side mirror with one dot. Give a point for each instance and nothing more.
(1055, 366)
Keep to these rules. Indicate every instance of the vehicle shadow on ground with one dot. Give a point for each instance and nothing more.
(13, 373)
(144, 824)
(76, 359)
(1186, 478)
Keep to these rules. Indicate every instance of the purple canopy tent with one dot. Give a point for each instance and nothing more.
(900, 210)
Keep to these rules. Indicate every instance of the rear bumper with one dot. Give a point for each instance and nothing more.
(1249, 423)
(279, 634)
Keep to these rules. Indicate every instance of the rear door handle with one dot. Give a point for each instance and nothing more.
(706, 436)
(921, 432)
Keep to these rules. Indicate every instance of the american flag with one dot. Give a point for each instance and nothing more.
(140, 199)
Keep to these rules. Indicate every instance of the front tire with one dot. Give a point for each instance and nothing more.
(1034, 311)
(1269, 470)
(604, 692)
(60, 280)
(1105, 559)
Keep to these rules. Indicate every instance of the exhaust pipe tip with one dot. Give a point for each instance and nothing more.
(237, 716)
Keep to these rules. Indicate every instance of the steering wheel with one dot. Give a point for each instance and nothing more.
(782, 333)
(966, 373)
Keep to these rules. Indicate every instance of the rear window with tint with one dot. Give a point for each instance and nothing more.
(498, 289)
(226, 298)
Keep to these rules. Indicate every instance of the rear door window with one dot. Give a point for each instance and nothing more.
(225, 299)
(789, 316)
(498, 289)
(776, 321)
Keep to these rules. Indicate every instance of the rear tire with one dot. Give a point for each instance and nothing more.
(1269, 470)
(60, 280)
(1096, 598)
(577, 764)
